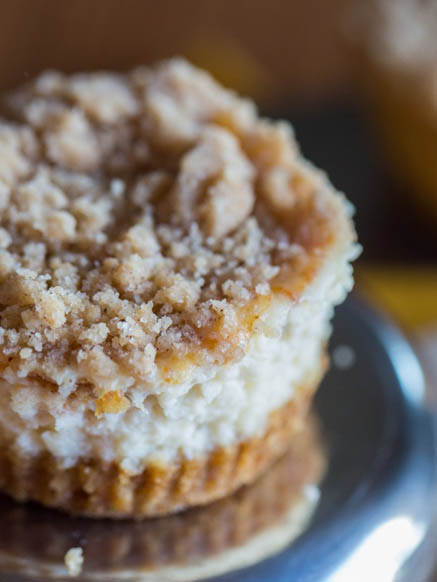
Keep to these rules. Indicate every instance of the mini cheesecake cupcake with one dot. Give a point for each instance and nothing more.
(396, 49)
(169, 265)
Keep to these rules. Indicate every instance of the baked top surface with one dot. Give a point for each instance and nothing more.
(146, 221)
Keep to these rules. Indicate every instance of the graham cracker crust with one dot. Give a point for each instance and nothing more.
(97, 489)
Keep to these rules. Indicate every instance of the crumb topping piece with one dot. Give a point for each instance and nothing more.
(73, 560)
(140, 215)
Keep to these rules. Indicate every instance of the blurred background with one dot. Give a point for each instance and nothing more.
(357, 79)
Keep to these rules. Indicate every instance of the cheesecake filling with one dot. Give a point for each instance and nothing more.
(217, 406)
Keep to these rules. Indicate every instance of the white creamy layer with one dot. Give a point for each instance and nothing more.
(218, 406)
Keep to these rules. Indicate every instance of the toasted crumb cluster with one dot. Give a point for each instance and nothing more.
(139, 215)
(74, 561)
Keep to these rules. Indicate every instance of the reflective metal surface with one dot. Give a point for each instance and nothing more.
(378, 497)
(373, 519)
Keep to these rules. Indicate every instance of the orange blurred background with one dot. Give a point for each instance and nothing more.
(267, 48)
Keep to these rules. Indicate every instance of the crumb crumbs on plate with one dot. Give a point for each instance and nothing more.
(74, 561)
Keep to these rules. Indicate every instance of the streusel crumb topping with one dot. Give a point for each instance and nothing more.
(140, 214)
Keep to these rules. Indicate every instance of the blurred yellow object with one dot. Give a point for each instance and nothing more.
(409, 294)
(393, 43)
(232, 65)
(405, 117)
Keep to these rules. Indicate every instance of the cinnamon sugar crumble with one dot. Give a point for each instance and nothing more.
(73, 560)
(138, 212)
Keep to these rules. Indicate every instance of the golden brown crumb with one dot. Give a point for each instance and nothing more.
(138, 212)
(74, 561)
